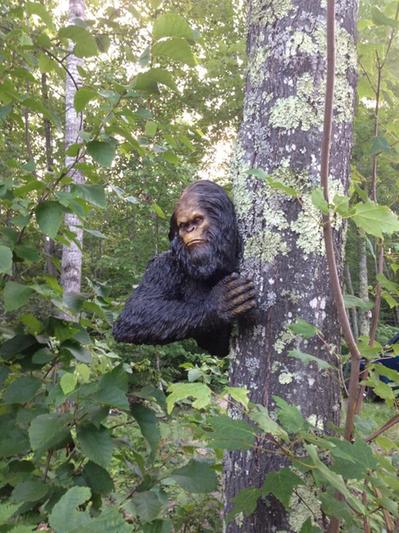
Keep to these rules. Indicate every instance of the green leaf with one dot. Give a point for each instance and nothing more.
(380, 19)
(148, 81)
(332, 479)
(6, 511)
(68, 382)
(22, 390)
(303, 328)
(353, 301)
(174, 48)
(147, 505)
(49, 216)
(182, 391)
(85, 43)
(260, 415)
(196, 477)
(64, 517)
(289, 416)
(352, 461)
(82, 98)
(96, 444)
(281, 484)
(308, 359)
(37, 8)
(172, 25)
(379, 144)
(375, 219)
(28, 253)
(158, 526)
(5, 260)
(46, 64)
(308, 527)
(230, 434)
(102, 152)
(77, 351)
(245, 502)
(319, 201)
(239, 394)
(15, 295)
(48, 431)
(98, 479)
(148, 423)
(150, 128)
(94, 194)
(29, 491)
(103, 42)
(17, 345)
(280, 186)
(109, 521)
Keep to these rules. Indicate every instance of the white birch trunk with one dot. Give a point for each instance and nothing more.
(72, 255)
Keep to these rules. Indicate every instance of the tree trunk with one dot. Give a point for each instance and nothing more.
(283, 247)
(364, 320)
(72, 255)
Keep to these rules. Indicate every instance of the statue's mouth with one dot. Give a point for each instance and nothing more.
(195, 242)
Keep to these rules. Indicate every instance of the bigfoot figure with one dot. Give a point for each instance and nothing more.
(193, 289)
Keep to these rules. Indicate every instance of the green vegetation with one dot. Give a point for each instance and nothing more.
(98, 437)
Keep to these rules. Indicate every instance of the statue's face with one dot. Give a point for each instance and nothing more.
(192, 222)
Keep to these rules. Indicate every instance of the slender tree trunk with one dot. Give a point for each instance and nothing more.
(283, 239)
(364, 321)
(72, 254)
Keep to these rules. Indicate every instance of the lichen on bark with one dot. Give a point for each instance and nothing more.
(283, 249)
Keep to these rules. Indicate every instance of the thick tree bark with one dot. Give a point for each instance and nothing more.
(72, 255)
(283, 239)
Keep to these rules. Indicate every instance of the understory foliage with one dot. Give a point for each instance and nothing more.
(96, 437)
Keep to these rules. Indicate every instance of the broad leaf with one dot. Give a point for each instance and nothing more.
(308, 359)
(48, 431)
(147, 505)
(15, 295)
(319, 201)
(172, 25)
(5, 260)
(260, 415)
(91, 193)
(281, 484)
(68, 382)
(230, 434)
(29, 491)
(375, 219)
(174, 48)
(49, 216)
(96, 444)
(303, 328)
(82, 98)
(148, 423)
(353, 301)
(245, 502)
(196, 477)
(239, 394)
(102, 152)
(182, 391)
(98, 479)
(148, 81)
(85, 43)
(64, 516)
(290, 417)
(22, 390)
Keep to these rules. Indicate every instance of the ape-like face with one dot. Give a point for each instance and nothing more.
(203, 231)
(192, 221)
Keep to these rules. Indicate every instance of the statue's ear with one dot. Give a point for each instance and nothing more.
(172, 227)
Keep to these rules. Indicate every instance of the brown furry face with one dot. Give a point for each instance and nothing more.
(192, 221)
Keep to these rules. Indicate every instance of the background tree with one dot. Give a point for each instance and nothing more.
(277, 198)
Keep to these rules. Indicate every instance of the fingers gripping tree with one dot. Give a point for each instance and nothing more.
(277, 197)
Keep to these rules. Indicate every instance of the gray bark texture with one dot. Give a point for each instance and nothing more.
(72, 255)
(283, 247)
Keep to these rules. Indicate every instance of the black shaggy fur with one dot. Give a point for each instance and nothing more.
(181, 291)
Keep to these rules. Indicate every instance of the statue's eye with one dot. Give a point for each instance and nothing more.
(198, 219)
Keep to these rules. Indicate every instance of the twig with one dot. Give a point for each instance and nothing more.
(390, 423)
(327, 228)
